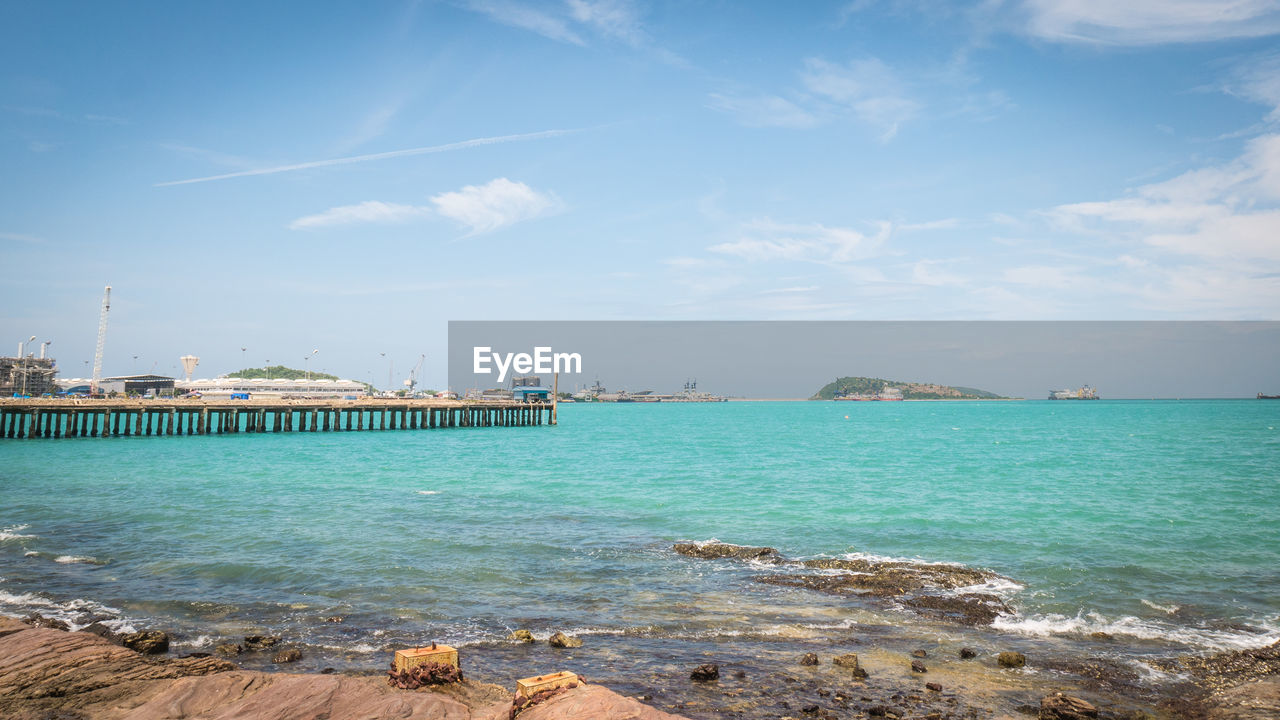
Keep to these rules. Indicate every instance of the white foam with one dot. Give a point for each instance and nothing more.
(14, 532)
(77, 560)
(1085, 623)
(1166, 609)
(72, 612)
(428, 492)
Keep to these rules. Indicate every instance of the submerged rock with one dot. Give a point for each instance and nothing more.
(809, 659)
(973, 609)
(918, 666)
(1065, 707)
(1011, 659)
(229, 649)
(919, 654)
(148, 642)
(718, 551)
(523, 636)
(40, 621)
(287, 656)
(560, 640)
(850, 662)
(101, 631)
(968, 653)
(705, 673)
(933, 686)
(260, 642)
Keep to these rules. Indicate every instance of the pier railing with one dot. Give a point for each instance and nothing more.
(59, 418)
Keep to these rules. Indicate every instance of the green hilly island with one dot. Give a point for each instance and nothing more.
(910, 390)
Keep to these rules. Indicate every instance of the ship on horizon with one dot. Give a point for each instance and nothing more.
(1083, 393)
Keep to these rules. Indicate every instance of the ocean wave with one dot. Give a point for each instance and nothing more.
(77, 613)
(428, 492)
(1166, 609)
(1144, 629)
(78, 560)
(14, 532)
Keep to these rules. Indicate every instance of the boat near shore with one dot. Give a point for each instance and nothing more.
(1082, 393)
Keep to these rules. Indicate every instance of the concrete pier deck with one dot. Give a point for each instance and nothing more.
(69, 418)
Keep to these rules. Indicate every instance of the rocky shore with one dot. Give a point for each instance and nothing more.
(48, 673)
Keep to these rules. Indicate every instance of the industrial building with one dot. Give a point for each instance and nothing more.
(32, 376)
(261, 387)
(159, 385)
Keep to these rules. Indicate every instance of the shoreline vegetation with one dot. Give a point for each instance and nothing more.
(48, 671)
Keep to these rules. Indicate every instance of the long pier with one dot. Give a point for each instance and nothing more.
(45, 418)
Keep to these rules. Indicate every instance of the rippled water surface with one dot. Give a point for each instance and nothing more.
(1155, 521)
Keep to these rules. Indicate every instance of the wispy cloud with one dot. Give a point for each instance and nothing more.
(370, 211)
(477, 142)
(527, 18)
(764, 111)
(616, 18)
(496, 204)
(867, 88)
(1149, 22)
(482, 208)
(769, 241)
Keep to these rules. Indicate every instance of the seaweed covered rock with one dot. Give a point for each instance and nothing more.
(849, 661)
(1011, 659)
(523, 636)
(708, 672)
(260, 642)
(972, 609)
(287, 656)
(560, 640)
(719, 551)
(423, 675)
(148, 642)
(809, 659)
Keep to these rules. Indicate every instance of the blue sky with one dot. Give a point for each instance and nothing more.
(349, 177)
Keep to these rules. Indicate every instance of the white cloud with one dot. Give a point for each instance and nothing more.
(1147, 22)
(527, 18)
(371, 211)
(766, 241)
(764, 111)
(616, 18)
(867, 88)
(496, 204)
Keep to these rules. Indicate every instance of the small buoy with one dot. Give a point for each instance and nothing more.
(846, 417)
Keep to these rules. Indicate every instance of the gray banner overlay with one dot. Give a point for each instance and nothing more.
(795, 359)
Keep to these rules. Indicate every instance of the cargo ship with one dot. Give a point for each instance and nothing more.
(1268, 397)
(1084, 393)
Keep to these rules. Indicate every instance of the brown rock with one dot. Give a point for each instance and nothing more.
(287, 656)
(919, 654)
(101, 631)
(850, 661)
(229, 649)
(1065, 707)
(521, 636)
(1011, 659)
(560, 640)
(973, 609)
(148, 642)
(38, 620)
(968, 653)
(809, 659)
(260, 642)
(933, 686)
(917, 666)
(335, 619)
(708, 672)
(717, 551)
(592, 701)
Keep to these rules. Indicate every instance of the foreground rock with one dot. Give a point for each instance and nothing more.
(560, 640)
(47, 673)
(149, 642)
(1065, 707)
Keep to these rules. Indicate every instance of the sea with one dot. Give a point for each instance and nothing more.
(1152, 524)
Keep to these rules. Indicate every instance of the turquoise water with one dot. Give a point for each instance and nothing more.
(1152, 520)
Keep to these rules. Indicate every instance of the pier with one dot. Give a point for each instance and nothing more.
(57, 418)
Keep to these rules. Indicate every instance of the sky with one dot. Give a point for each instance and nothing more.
(347, 178)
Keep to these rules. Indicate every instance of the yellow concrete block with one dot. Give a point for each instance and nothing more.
(411, 657)
(530, 685)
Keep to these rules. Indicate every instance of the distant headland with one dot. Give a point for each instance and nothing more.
(869, 388)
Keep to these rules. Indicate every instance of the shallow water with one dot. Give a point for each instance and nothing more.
(1151, 520)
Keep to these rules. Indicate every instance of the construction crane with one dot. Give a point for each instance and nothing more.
(102, 341)
(413, 374)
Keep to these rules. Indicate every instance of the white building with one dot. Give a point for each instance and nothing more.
(261, 387)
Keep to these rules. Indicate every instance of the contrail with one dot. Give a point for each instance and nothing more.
(477, 142)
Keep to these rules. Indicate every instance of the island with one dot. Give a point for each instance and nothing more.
(869, 388)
